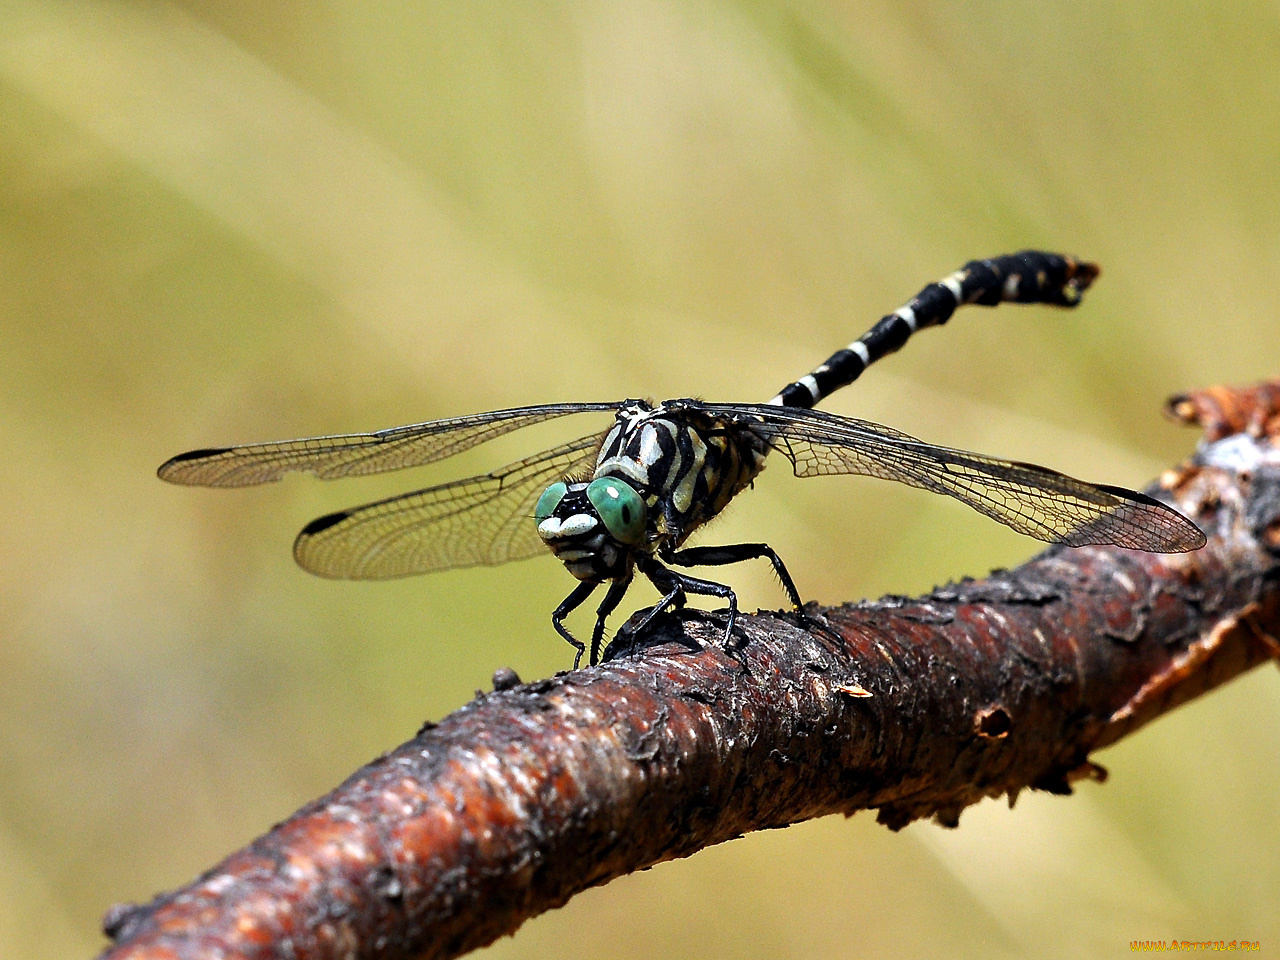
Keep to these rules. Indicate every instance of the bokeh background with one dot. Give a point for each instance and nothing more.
(253, 219)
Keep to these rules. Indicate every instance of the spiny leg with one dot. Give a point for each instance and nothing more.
(677, 585)
(668, 583)
(571, 603)
(617, 590)
(1027, 277)
(733, 553)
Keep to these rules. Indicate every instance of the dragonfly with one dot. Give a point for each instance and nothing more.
(623, 501)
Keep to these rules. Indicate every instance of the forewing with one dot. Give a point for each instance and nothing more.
(483, 520)
(357, 454)
(1033, 500)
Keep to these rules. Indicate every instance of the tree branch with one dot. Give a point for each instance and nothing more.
(917, 707)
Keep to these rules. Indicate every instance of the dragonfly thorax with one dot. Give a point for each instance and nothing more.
(685, 462)
(661, 472)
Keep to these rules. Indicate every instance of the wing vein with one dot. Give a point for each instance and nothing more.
(1031, 499)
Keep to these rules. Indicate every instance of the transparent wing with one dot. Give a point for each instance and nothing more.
(356, 454)
(483, 520)
(1033, 500)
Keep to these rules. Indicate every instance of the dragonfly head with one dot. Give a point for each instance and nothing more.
(592, 527)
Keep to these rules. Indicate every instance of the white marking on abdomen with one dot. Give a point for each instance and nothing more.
(810, 384)
(907, 314)
(860, 349)
(954, 283)
(1011, 285)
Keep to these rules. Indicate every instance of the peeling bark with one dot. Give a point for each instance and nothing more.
(917, 707)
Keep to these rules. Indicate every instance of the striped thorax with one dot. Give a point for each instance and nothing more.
(662, 471)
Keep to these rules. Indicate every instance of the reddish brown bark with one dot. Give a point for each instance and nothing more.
(917, 707)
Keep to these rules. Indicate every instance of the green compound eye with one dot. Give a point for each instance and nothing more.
(549, 500)
(619, 506)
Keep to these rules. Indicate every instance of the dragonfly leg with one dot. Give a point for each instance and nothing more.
(668, 583)
(617, 590)
(733, 553)
(678, 584)
(571, 603)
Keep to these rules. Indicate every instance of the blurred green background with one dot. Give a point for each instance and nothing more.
(253, 219)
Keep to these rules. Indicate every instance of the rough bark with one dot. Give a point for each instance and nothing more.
(915, 706)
